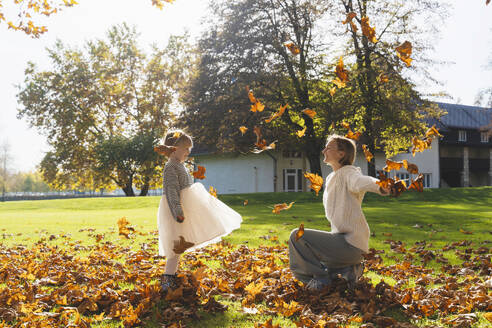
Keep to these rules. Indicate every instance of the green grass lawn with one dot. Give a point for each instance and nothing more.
(435, 216)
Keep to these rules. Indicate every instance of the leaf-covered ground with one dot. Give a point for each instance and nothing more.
(63, 263)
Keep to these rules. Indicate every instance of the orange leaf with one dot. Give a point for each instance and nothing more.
(243, 129)
(383, 78)
(341, 72)
(164, 150)
(367, 30)
(200, 173)
(300, 232)
(292, 47)
(404, 51)
(181, 245)
(367, 153)
(316, 181)
(354, 136)
(417, 184)
(281, 207)
(488, 315)
(257, 107)
(432, 132)
(251, 97)
(349, 18)
(254, 288)
(390, 165)
(174, 295)
(411, 168)
(300, 133)
(280, 112)
(245, 202)
(466, 232)
(309, 112)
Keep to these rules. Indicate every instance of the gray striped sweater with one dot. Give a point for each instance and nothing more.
(175, 178)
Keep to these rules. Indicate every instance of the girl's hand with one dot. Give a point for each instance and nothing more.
(180, 218)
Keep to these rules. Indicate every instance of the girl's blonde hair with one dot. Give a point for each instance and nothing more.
(174, 137)
(347, 146)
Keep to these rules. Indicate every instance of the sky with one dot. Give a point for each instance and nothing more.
(466, 42)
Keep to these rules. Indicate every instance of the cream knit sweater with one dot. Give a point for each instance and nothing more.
(342, 199)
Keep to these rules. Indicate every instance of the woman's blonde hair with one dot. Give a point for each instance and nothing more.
(347, 146)
(174, 137)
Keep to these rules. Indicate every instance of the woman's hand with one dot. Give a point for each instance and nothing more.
(385, 190)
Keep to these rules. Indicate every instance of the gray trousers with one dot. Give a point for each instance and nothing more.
(317, 251)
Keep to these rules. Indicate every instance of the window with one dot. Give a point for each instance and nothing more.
(484, 137)
(462, 135)
(427, 180)
(292, 179)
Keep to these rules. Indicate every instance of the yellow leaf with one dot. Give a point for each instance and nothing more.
(281, 207)
(300, 133)
(243, 129)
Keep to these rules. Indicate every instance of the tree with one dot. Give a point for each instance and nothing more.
(5, 159)
(387, 107)
(247, 46)
(25, 10)
(109, 91)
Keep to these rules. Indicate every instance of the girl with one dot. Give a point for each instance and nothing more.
(319, 256)
(188, 216)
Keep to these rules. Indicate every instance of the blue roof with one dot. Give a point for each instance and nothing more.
(462, 116)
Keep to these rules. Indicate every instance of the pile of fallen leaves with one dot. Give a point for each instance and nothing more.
(77, 286)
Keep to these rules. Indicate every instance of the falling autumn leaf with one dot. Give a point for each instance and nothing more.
(316, 181)
(432, 132)
(280, 112)
(292, 47)
(245, 202)
(391, 165)
(243, 129)
(300, 232)
(309, 112)
(176, 135)
(124, 228)
(257, 107)
(367, 30)
(199, 173)
(181, 245)
(333, 91)
(404, 51)
(367, 153)
(281, 207)
(383, 78)
(354, 136)
(212, 191)
(300, 133)
(417, 184)
(341, 72)
(164, 150)
(411, 168)
(466, 232)
(350, 16)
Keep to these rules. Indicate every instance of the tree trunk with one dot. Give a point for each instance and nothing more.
(145, 189)
(371, 168)
(313, 158)
(128, 189)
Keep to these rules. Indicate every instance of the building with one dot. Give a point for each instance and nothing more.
(462, 157)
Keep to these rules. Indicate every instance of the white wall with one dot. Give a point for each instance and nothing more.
(234, 174)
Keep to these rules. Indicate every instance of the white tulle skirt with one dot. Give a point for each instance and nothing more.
(207, 219)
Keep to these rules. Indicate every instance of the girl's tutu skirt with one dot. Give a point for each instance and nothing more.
(207, 219)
